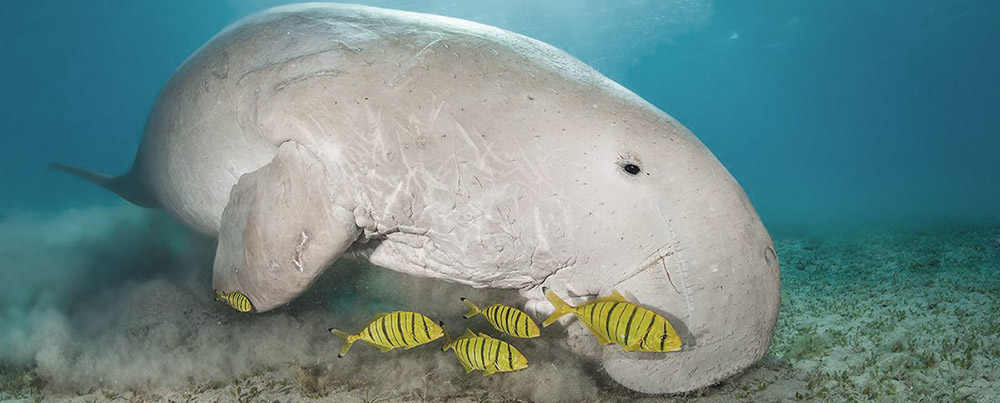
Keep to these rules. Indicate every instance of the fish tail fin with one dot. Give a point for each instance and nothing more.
(125, 186)
(562, 307)
(447, 340)
(348, 341)
(473, 309)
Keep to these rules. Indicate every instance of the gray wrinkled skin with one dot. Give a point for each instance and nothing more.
(448, 149)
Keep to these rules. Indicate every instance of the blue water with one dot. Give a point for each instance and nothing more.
(824, 111)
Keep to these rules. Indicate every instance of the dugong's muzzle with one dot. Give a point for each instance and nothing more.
(718, 284)
(712, 273)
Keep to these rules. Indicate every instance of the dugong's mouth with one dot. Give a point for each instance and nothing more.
(666, 261)
(658, 261)
(655, 265)
(722, 304)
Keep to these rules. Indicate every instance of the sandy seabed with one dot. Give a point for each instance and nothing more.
(108, 304)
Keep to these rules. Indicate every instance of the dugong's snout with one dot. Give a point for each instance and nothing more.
(719, 287)
(682, 239)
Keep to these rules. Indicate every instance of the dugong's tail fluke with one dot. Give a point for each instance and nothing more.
(123, 185)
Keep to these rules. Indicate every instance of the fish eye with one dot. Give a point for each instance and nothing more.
(663, 337)
(631, 169)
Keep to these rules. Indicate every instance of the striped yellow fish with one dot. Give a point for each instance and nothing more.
(236, 300)
(508, 320)
(616, 321)
(485, 353)
(393, 330)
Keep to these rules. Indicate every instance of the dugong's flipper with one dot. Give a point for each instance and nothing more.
(285, 223)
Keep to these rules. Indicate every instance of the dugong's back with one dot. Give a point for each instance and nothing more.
(231, 104)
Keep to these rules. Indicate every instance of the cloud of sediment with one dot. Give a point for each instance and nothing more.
(116, 298)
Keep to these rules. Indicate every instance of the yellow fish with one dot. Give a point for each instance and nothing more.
(508, 320)
(236, 300)
(393, 330)
(485, 353)
(616, 321)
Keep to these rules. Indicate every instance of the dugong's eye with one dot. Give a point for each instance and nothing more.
(631, 169)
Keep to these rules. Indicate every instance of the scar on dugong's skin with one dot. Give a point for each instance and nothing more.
(445, 148)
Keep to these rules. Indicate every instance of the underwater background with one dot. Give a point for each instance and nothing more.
(865, 133)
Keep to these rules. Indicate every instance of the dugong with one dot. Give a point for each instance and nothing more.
(449, 149)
